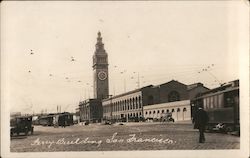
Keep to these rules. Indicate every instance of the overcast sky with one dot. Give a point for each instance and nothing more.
(159, 40)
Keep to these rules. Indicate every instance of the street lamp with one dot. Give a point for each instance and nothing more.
(123, 73)
(138, 79)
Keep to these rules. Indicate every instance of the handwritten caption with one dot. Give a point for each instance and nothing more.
(132, 138)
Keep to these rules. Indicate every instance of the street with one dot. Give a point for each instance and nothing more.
(129, 136)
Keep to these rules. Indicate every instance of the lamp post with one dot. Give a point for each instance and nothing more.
(124, 82)
(138, 79)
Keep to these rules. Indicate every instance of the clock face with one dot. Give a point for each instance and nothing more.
(102, 75)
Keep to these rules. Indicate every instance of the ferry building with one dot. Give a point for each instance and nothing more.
(152, 101)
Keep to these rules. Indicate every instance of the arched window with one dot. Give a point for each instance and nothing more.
(133, 103)
(178, 110)
(172, 110)
(140, 113)
(119, 105)
(162, 111)
(130, 103)
(146, 113)
(184, 109)
(136, 102)
(158, 111)
(167, 111)
(154, 112)
(173, 96)
(139, 101)
(150, 100)
(128, 106)
(150, 112)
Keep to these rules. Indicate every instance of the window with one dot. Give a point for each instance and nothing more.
(162, 111)
(212, 102)
(184, 109)
(158, 111)
(167, 111)
(139, 101)
(149, 112)
(172, 110)
(178, 110)
(133, 103)
(173, 96)
(220, 101)
(208, 102)
(154, 112)
(205, 103)
(146, 112)
(136, 103)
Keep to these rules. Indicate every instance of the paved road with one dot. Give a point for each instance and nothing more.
(130, 136)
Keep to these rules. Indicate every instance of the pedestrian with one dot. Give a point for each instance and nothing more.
(200, 121)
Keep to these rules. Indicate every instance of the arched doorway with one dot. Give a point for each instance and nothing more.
(184, 113)
(178, 114)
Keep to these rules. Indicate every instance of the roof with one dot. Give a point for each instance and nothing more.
(196, 85)
(218, 92)
(227, 87)
(170, 82)
(130, 92)
(224, 86)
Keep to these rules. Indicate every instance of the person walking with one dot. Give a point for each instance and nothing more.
(200, 121)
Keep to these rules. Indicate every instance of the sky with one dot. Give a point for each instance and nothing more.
(151, 42)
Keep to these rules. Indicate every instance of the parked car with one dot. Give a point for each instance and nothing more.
(21, 124)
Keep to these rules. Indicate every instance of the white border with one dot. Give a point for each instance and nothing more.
(244, 115)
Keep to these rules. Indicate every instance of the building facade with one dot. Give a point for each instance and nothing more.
(91, 110)
(180, 110)
(126, 106)
(146, 102)
(100, 70)
(153, 102)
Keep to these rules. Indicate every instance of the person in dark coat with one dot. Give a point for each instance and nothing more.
(200, 122)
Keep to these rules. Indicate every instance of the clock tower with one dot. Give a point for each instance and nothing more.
(100, 68)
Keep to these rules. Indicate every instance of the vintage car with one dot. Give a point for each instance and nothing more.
(21, 124)
(167, 118)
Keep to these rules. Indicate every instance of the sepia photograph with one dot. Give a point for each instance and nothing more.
(125, 79)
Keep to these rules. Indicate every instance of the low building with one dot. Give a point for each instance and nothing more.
(153, 102)
(126, 106)
(180, 110)
(90, 110)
